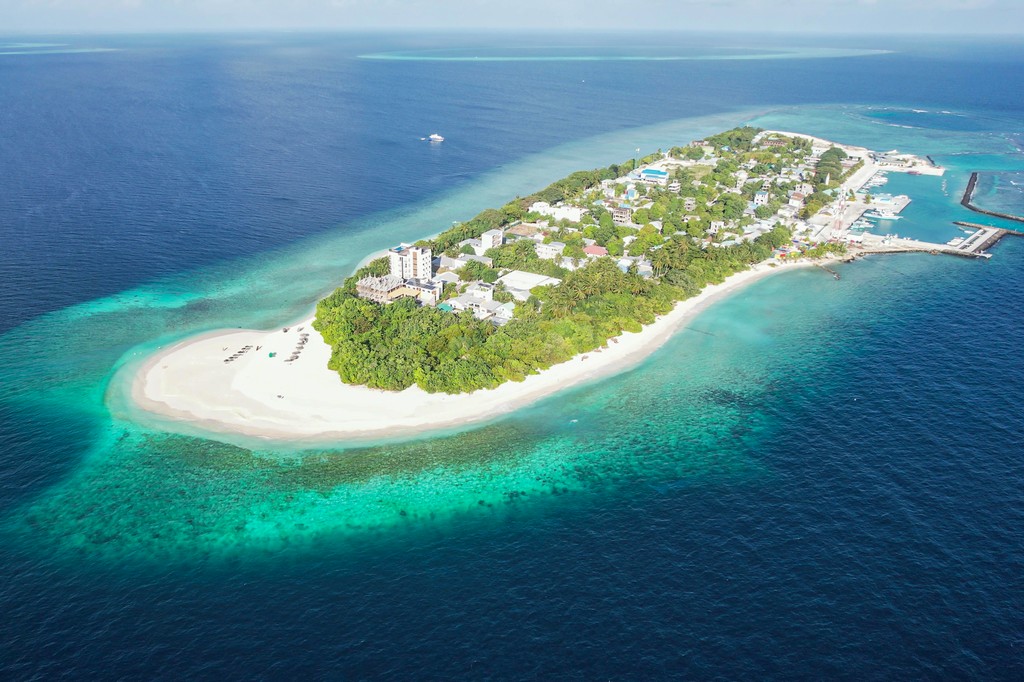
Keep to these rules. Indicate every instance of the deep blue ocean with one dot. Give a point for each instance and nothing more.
(817, 479)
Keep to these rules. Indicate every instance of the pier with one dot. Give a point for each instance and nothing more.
(890, 244)
(974, 246)
(985, 235)
(968, 199)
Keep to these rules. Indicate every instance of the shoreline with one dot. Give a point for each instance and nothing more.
(188, 387)
(275, 386)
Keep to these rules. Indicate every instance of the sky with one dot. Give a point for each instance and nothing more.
(833, 16)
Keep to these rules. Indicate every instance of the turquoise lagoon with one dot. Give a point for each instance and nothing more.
(700, 409)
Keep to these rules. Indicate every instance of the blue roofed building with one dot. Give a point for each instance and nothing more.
(654, 176)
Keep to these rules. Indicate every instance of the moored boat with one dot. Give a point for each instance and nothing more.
(882, 214)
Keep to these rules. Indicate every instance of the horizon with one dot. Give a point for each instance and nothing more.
(823, 17)
(1007, 37)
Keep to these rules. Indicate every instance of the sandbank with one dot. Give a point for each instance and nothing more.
(260, 396)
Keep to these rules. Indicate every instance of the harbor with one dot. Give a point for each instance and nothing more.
(975, 245)
(853, 219)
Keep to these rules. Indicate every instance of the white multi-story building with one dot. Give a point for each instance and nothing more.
(622, 215)
(379, 289)
(410, 262)
(491, 239)
(481, 290)
(549, 251)
(428, 293)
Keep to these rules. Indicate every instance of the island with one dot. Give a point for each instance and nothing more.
(579, 280)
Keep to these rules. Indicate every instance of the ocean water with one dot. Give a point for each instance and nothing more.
(816, 478)
(999, 191)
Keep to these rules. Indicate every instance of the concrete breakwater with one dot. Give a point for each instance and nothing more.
(968, 202)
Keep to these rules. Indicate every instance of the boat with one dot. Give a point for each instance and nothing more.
(882, 214)
(434, 137)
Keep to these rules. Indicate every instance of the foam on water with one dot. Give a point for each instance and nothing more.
(1000, 191)
(119, 331)
(695, 409)
(77, 50)
(818, 478)
(555, 54)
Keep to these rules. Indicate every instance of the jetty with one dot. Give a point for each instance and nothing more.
(968, 202)
(975, 245)
(895, 244)
(835, 275)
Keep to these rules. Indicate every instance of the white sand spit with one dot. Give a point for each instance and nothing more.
(262, 396)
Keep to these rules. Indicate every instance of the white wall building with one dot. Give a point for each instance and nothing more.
(481, 290)
(428, 293)
(481, 308)
(410, 262)
(519, 283)
(491, 239)
(570, 213)
(550, 251)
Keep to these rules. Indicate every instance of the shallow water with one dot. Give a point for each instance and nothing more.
(815, 478)
(1000, 192)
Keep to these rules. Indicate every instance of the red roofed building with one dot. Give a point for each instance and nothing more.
(595, 250)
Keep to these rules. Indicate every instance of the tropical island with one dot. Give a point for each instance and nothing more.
(559, 273)
(578, 280)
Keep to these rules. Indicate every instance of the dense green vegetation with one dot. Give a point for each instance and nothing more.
(830, 166)
(569, 187)
(737, 139)
(402, 344)
(829, 175)
(521, 255)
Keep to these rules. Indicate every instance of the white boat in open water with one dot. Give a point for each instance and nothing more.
(434, 137)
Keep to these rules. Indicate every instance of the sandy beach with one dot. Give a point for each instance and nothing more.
(257, 395)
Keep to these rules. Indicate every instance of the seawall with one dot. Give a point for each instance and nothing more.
(967, 202)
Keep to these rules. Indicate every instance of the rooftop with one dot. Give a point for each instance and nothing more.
(519, 283)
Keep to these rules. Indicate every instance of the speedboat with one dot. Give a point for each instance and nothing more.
(434, 137)
(882, 214)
